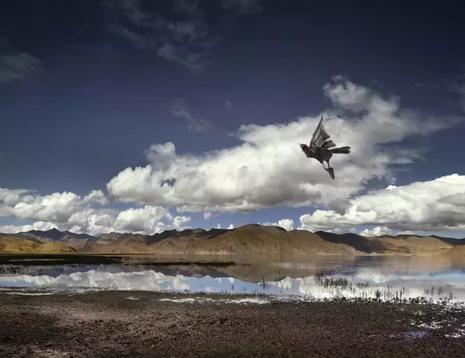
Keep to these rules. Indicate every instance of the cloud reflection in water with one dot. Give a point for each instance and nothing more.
(365, 282)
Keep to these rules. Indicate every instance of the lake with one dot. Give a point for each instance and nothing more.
(323, 277)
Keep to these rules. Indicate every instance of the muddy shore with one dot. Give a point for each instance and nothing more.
(142, 324)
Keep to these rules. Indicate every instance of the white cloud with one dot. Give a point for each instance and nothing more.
(407, 232)
(96, 196)
(267, 167)
(179, 222)
(146, 220)
(10, 197)
(82, 214)
(57, 207)
(287, 224)
(92, 221)
(437, 204)
(141, 220)
(64, 210)
(376, 231)
(230, 226)
(39, 225)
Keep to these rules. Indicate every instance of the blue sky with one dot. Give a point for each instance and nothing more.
(189, 113)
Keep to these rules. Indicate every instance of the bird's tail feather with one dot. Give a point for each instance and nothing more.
(343, 150)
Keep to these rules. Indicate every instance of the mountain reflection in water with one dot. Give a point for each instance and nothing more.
(386, 278)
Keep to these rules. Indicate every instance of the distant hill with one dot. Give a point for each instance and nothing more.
(454, 242)
(169, 242)
(246, 243)
(358, 242)
(250, 241)
(77, 241)
(268, 241)
(391, 245)
(412, 245)
(15, 244)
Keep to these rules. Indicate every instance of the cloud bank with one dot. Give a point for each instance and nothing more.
(267, 167)
(287, 224)
(433, 205)
(82, 214)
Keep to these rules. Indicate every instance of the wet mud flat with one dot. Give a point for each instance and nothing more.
(147, 324)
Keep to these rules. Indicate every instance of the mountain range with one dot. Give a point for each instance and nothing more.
(246, 243)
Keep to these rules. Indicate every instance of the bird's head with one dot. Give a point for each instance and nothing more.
(306, 149)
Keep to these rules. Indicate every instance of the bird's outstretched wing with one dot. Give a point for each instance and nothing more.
(320, 137)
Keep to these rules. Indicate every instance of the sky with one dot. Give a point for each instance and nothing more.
(141, 116)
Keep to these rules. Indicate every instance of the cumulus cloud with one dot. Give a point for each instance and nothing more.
(82, 214)
(39, 225)
(17, 67)
(376, 231)
(179, 222)
(433, 205)
(267, 167)
(186, 37)
(91, 221)
(287, 224)
(96, 196)
(11, 197)
(56, 207)
(194, 124)
(140, 220)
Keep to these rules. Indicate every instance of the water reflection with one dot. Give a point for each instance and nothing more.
(434, 279)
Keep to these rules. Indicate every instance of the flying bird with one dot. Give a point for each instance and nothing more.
(320, 148)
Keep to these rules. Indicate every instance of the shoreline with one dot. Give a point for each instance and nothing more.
(147, 324)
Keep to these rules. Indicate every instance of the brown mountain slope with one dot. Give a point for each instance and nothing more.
(169, 241)
(119, 243)
(412, 245)
(265, 242)
(246, 243)
(358, 242)
(77, 241)
(15, 244)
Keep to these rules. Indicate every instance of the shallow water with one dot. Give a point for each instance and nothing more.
(434, 279)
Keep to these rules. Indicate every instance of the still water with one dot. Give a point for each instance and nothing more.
(433, 278)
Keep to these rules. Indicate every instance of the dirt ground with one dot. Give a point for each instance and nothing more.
(141, 324)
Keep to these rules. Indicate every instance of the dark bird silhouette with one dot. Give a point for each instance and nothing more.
(320, 147)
